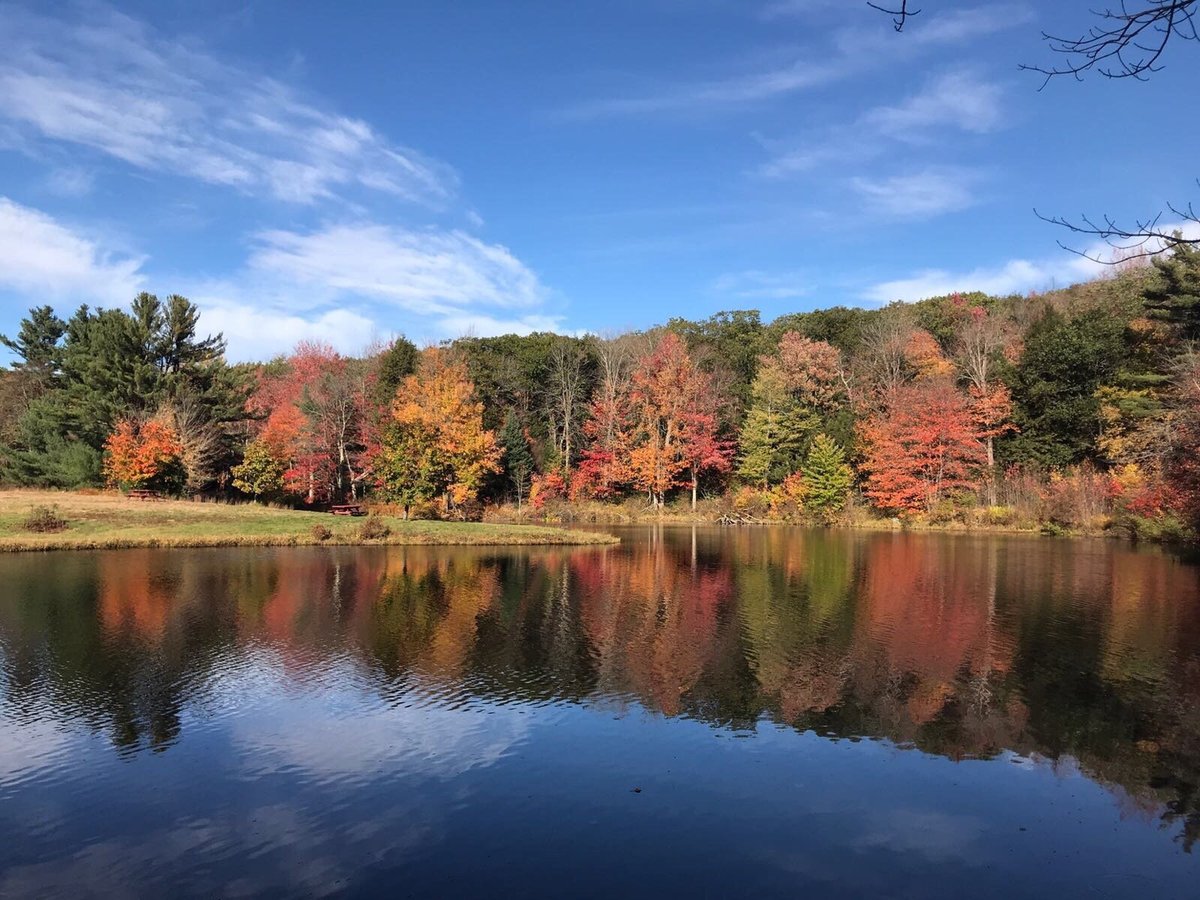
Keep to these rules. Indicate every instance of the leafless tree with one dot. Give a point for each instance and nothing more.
(565, 396)
(885, 351)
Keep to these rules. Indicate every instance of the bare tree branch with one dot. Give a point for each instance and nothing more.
(1127, 43)
(899, 16)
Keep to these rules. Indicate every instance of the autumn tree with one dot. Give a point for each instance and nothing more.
(261, 471)
(143, 455)
(410, 467)
(798, 391)
(439, 435)
(604, 463)
(666, 393)
(922, 448)
(983, 344)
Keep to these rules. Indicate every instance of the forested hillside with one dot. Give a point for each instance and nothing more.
(1075, 409)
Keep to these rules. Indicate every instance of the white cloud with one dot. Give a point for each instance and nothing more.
(428, 272)
(110, 83)
(40, 256)
(920, 195)
(1017, 276)
(853, 51)
(347, 284)
(956, 99)
(754, 284)
(262, 333)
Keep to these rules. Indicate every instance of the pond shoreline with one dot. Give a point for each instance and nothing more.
(1044, 530)
(113, 522)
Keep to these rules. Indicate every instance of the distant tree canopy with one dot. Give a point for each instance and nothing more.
(926, 409)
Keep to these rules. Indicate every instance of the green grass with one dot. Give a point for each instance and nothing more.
(104, 521)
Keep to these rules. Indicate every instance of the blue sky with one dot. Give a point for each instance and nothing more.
(345, 172)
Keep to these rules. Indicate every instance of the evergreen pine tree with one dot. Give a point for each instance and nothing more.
(827, 477)
(1174, 295)
(517, 458)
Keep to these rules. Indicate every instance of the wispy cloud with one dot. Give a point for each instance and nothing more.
(755, 284)
(41, 257)
(348, 283)
(958, 100)
(110, 83)
(853, 51)
(1016, 276)
(70, 181)
(424, 271)
(920, 195)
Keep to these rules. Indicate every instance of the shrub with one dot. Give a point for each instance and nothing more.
(44, 520)
(374, 529)
(321, 533)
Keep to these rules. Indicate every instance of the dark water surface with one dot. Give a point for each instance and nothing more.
(711, 713)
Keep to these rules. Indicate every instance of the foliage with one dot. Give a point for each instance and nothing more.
(827, 477)
(1065, 361)
(922, 448)
(437, 443)
(99, 367)
(1079, 408)
(143, 455)
(516, 457)
(261, 471)
(1174, 296)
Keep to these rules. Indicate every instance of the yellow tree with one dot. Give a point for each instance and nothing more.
(438, 404)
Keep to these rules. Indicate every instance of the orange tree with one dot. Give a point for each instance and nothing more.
(143, 455)
(672, 421)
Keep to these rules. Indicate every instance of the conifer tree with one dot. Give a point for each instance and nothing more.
(516, 458)
(827, 477)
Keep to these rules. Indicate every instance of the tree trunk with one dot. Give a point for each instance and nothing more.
(695, 481)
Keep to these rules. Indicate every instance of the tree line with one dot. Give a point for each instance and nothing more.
(1072, 407)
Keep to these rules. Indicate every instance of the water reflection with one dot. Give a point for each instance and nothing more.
(334, 668)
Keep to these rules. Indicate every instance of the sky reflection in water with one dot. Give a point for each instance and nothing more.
(715, 711)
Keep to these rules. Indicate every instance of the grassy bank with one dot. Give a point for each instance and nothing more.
(979, 520)
(110, 521)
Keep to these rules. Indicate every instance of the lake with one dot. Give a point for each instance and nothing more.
(704, 712)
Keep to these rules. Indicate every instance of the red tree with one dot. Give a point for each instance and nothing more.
(673, 424)
(922, 448)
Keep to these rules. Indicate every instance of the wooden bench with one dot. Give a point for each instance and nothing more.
(144, 494)
(347, 509)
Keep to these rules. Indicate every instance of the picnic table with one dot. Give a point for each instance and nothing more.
(347, 509)
(144, 494)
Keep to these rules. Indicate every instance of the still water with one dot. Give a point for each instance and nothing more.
(715, 712)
